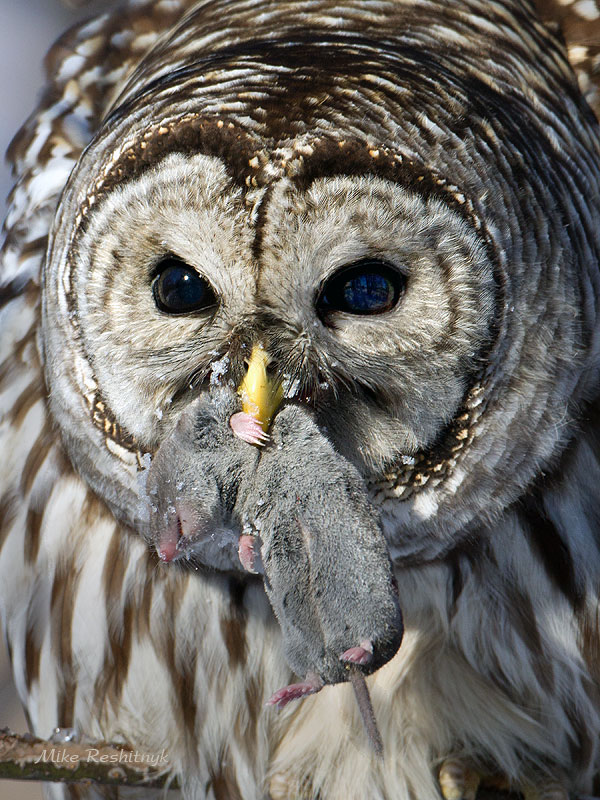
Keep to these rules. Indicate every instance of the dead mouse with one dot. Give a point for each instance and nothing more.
(301, 508)
(328, 574)
(192, 484)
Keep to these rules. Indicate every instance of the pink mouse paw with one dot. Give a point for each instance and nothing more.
(363, 654)
(248, 428)
(296, 691)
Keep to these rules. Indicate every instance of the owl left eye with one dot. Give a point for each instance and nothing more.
(368, 287)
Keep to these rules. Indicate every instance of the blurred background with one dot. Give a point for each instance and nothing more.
(27, 31)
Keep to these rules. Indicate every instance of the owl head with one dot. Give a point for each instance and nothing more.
(390, 276)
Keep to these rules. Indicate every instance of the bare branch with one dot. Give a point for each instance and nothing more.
(29, 758)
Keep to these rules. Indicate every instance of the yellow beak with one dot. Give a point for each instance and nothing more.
(261, 395)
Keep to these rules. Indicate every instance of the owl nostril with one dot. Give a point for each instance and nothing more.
(270, 367)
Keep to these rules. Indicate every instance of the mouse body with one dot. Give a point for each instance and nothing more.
(328, 574)
(296, 509)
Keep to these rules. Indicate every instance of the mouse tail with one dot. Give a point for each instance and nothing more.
(361, 691)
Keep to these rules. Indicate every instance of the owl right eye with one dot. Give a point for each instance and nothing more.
(178, 289)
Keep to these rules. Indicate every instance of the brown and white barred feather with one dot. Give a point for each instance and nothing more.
(501, 656)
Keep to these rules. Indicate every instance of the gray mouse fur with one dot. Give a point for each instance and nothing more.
(193, 481)
(328, 574)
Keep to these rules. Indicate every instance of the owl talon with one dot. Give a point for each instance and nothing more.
(296, 691)
(248, 428)
(457, 781)
(363, 654)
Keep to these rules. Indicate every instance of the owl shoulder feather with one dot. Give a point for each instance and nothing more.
(579, 25)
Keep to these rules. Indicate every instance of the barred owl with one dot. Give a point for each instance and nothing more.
(299, 383)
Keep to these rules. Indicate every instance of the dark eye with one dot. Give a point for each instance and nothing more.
(178, 289)
(368, 287)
